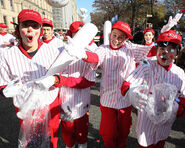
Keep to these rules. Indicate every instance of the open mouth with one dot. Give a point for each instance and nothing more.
(163, 59)
(29, 38)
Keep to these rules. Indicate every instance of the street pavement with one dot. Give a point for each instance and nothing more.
(9, 126)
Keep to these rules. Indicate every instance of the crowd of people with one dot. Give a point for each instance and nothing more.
(126, 67)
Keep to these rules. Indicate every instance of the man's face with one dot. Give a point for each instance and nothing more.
(148, 37)
(166, 55)
(47, 32)
(117, 38)
(30, 33)
(2, 29)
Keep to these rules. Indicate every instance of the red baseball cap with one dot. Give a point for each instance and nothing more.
(170, 36)
(74, 27)
(149, 30)
(123, 27)
(47, 21)
(3, 25)
(28, 14)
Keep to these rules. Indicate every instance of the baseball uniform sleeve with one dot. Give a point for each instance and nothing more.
(140, 51)
(72, 82)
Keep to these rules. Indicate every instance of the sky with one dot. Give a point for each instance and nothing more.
(87, 4)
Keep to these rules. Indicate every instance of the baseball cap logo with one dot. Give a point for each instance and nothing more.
(125, 26)
(33, 13)
(170, 35)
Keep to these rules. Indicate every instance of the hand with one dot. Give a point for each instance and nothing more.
(13, 88)
(45, 83)
(171, 22)
(138, 97)
(74, 49)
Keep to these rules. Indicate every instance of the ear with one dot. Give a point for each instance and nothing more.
(17, 30)
(41, 32)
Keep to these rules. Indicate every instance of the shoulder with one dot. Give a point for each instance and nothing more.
(10, 35)
(178, 71)
(10, 51)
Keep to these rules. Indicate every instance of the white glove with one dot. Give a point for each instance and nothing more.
(45, 83)
(171, 22)
(74, 49)
(13, 88)
(138, 96)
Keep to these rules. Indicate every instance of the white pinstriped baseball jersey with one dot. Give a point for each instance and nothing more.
(6, 38)
(116, 66)
(151, 74)
(77, 101)
(15, 64)
(140, 51)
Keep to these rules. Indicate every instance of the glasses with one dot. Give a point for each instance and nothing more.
(120, 38)
(166, 43)
(33, 24)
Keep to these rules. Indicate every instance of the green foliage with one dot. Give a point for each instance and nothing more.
(134, 12)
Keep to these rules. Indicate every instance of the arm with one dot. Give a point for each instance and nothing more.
(171, 22)
(79, 83)
(181, 108)
(140, 51)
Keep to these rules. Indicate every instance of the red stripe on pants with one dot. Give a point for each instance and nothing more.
(115, 126)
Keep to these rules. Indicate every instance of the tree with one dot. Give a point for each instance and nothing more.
(135, 12)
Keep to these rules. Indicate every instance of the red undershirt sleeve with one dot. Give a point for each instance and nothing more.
(72, 82)
(125, 87)
(91, 57)
(1, 90)
(181, 109)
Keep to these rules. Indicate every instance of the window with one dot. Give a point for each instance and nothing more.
(11, 5)
(2, 3)
(4, 19)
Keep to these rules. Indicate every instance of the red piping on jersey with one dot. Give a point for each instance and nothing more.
(152, 52)
(168, 67)
(1, 87)
(91, 42)
(47, 41)
(115, 48)
(149, 44)
(25, 52)
(3, 33)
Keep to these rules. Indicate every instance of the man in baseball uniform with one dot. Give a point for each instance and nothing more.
(117, 61)
(30, 60)
(151, 73)
(75, 97)
(6, 40)
(48, 36)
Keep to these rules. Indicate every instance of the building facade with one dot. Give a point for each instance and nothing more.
(9, 10)
(63, 17)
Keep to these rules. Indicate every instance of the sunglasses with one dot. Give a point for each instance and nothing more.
(166, 43)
